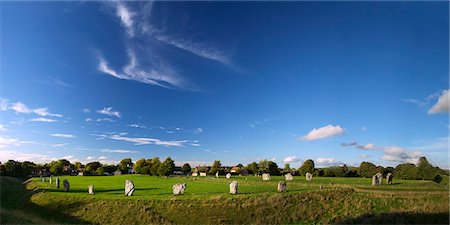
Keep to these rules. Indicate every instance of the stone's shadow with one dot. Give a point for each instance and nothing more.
(96, 190)
(399, 218)
(25, 211)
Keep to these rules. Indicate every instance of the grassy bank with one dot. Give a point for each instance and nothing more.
(347, 200)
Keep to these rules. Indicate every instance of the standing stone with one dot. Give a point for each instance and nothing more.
(377, 179)
(202, 174)
(266, 176)
(178, 189)
(43, 179)
(91, 190)
(281, 186)
(288, 176)
(194, 174)
(389, 178)
(228, 176)
(309, 176)
(51, 181)
(374, 180)
(234, 187)
(129, 188)
(380, 178)
(66, 185)
(57, 182)
(217, 174)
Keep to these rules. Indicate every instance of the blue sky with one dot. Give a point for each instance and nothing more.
(336, 82)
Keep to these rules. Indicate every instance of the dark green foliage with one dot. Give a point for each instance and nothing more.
(406, 171)
(125, 165)
(425, 170)
(215, 167)
(266, 166)
(186, 168)
(166, 168)
(92, 167)
(253, 168)
(367, 169)
(437, 179)
(13, 168)
(307, 167)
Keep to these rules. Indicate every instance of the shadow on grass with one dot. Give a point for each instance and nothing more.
(96, 190)
(399, 218)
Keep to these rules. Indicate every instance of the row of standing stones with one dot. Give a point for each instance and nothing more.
(178, 189)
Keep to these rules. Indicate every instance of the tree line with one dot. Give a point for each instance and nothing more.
(154, 167)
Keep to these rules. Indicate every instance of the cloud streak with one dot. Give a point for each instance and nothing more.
(146, 140)
(109, 111)
(63, 135)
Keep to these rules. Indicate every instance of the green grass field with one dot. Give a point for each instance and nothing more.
(207, 201)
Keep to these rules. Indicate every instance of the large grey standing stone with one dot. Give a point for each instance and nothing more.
(228, 176)
(234, 187)
(266, 176)
(129, 188)
(281, 186)
(389, 178)
(377, 179)
(308, 176)
(50, 180)
(91, 189)
(178, 189)
(288, 176)
(217, 174)
(66, 185)
(43, 179)
(194, 174)
(57, 182)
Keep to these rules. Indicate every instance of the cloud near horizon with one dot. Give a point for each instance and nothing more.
(328, 131)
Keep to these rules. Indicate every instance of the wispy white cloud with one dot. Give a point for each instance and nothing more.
(126, 17)
(42, 119)
(109, 111)
(291, 159)
(324, 162)
(118, 151)
(60, 145)
(20, 107)
(63, 135)
(86, 110)
(146, 141)
(105, 120)
(45, 112)
(3, 128)
(160, 75)
(442, 105)
(324, 132)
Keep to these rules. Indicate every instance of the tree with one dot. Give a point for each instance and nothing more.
(125, 165)
(425, 170)
(79, 166)
(166, 168)
(138, 165)
(215, 167)
(308, 166)
(406, 171)
(253, 168)
(267, 166)
(28, 168)
(186, 168)
(93, 166)
(367, 169)
(154, 165)
(13, 168)
(100, 170)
